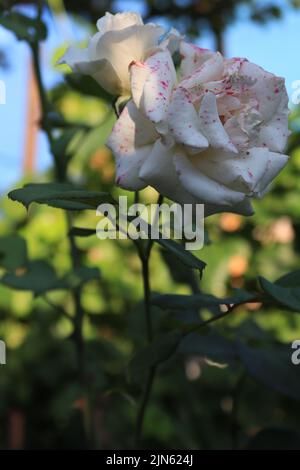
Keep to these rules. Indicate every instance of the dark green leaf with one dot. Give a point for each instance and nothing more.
(157, 352)
(211, 345)
(64, 196)
(60, 145)
(56, 120)
(273, 367)
(82, 232)
(291, 279)
(286, 296)
(250, 330)
(178, 302)
(179, 272)
(13, 252)
(87, 85)
(81, 275)
(38, 277)
(275, 439)
(186, 257)
(25, 28)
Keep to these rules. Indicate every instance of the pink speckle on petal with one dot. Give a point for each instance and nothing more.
(164, 84)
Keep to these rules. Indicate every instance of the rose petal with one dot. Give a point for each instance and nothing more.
(192, 58)
(211, 126)
(184, 121)
(264, 87)
(110, 22)
(122, 47)
(243, 208)
(233, 66)
(274, 163)
(205, 189)
(131, 141)
(101, 70)
(171, 41)
(238, 137)
(159, 172)
(139, 72)
(241, 172)
(274, 134)
(153, 82)
(212, 69)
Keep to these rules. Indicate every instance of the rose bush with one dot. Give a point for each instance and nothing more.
(215, 137)
(121, 39)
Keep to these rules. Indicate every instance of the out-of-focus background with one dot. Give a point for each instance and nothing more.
(195, 403)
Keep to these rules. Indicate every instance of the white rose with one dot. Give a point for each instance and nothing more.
(122, 39)
(216, 138)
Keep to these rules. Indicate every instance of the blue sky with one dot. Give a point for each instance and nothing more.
(273, 46)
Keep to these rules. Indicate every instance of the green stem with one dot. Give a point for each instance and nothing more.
(143, 407)
(145, 258)
(149, 331)
(235, 428)
(61, 176)
(217, 317)
(45, 108)
(147, 306)
(79, 313)
(57, 307)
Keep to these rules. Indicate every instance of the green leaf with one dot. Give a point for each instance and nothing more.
(211, 345)
(81, 275)
(196, 301)
(58, 121)
(273, 367)
(87, 86)
(274, 438)
(287, 296)
(82, 232)
(25, 28)
(249, 330)
(38, 277)
(186, 257)
(291, 279)
(157, 352)
(63, 196)
(61, 144)
(13, 252)
(179, 272)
